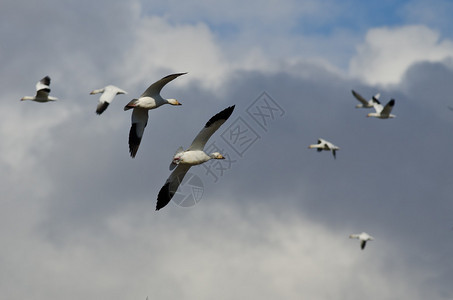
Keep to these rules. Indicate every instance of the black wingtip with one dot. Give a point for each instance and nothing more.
(102, 107)
(134, 140)
(45, 80)
(392, 102)
(133, 151)
(174, 75)
(164, 197)
(223, 115)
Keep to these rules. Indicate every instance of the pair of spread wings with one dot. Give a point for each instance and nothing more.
(170, 187)
(140, 115)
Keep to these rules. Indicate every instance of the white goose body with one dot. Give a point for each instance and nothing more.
(108, 93)
(326, 146)
(42, 92)
(363, 238)
(150, 99)
(148, 102)
(193, 156)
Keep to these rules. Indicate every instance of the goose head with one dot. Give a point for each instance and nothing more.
(216, 155)
(173, 102)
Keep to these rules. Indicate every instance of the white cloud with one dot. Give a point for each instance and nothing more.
(387, 53)
(259, 255)
(161, 47)
(212, 42)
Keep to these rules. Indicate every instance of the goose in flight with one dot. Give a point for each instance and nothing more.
(150, 99)
(382, 112)
(363, 237)
(364, 103)
(194, 155)
(42, 92)
(325, 145)
(108, 93)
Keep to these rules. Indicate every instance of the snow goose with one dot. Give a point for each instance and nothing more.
(108, 93)
(363, 237)
(194, 155)
(382, 112)
(365, 103)
(325, 145)
(150, 99)
(42, 92)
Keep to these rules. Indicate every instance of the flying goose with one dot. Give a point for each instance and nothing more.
(382, 112)
(365, 103)
(363, 237)
(108, 93)
(150, 99)
(42, 92)
(325, 145)
(194, 155)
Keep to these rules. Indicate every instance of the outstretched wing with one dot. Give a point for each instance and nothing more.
(388, 107)
(102, 106)
(362, 245)
(170, 187)
(156, 87)
(42, 88)
(211, 126)
(106, 98)
(139, 121)
(108, 94)
(359, 97)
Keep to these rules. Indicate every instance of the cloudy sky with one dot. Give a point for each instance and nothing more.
(77, 218)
